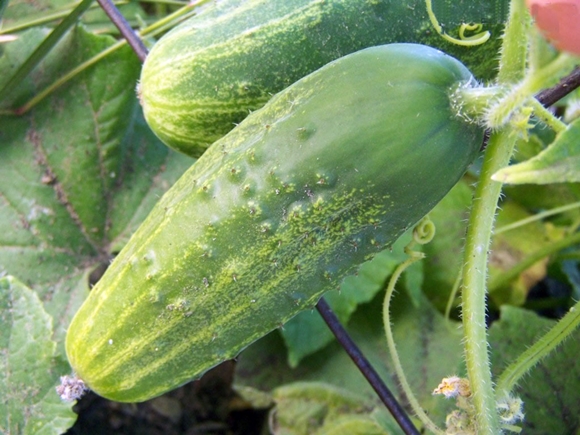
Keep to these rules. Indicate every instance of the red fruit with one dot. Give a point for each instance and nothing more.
(559, 22)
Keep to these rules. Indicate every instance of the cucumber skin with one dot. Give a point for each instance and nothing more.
(331, 171)
(207, 74)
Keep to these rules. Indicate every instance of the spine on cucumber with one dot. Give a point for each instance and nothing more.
(331, 171)
(207, 74)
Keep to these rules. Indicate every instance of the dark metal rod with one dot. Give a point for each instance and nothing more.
(366, 369)
(125, 29)
(559, 91)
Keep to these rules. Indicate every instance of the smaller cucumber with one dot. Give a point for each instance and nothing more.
(331, 171)
(207, 74)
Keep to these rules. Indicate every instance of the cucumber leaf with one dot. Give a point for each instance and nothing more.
(444, 252)
(550, 391)
(30, 372)
(3, 4)
(559, 163)
(78, 173)
(510, 248)
(572, 272)
(429, 348)
(539, 197)
(315, 408)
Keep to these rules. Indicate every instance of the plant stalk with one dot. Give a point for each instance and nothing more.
(421, 414)
(480, 228)
(537, 217)
(42, 50)
(499, 150)
(541, 348)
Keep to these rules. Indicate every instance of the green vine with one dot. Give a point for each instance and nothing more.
(547, 343)
(423, 233)
(537, 217)
(478, 38)
(480, 228)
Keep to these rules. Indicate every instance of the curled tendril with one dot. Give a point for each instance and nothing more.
(424, 231)
(478, 38)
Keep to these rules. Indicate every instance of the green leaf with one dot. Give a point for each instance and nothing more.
(429, 347)
(148, 169)
(511, 247)
(550, 391)
(559, 163)
(444, 252)
(571, 270)
(19, 11)
(29, 403)
(314, 408)
(384, 420)
(78, 173)
(352, 425)
(3, 4)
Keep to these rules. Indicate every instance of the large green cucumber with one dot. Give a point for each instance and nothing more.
(331, 171)
(207, 74)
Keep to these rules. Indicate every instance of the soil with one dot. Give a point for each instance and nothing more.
(205, 407)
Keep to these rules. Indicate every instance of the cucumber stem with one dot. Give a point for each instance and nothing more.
(537, 217)
(472, 102)
(514, 48)
(513, 58)
(423, 233)
(520, 95)
(541, 348)
(547, 117)
(480, 228)
(427, 422)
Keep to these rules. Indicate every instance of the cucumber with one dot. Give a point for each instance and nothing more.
(206, 75)
(327, 174)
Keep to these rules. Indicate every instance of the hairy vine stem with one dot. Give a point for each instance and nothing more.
(480, 228)
(423, 233)
(541, 348)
